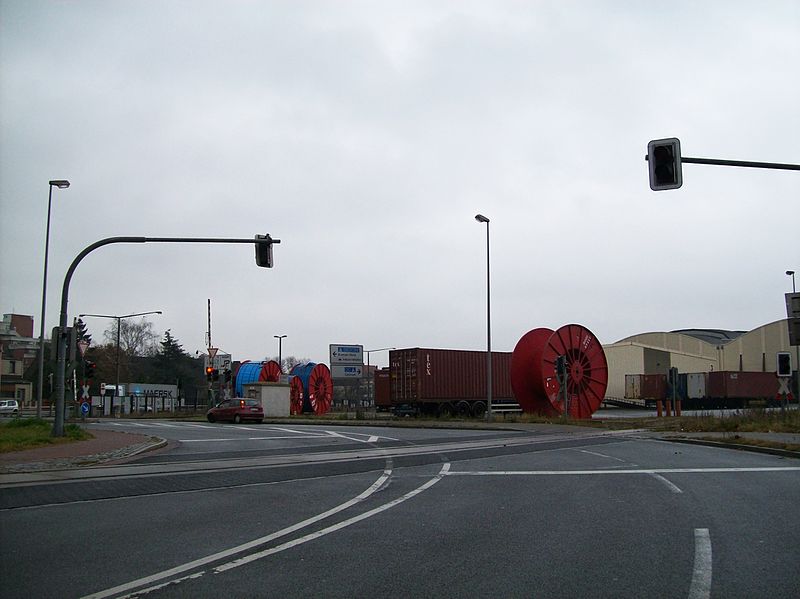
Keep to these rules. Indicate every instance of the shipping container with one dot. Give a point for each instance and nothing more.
(383, 398)
(741, 386)
(646, 386)
(696, 383)
(446, 380)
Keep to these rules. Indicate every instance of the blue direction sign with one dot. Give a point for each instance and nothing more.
(85, 407)
(346, 372)
(347, 354)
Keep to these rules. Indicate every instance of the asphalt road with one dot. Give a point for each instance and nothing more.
(314, 511)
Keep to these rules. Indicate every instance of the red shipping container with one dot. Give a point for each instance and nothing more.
(654, 386)
(740, 384)
(444, 375)
(382, 397)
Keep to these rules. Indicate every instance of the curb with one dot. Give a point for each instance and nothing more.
(727, 445)
(72, 463)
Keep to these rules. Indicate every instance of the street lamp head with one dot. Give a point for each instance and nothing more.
(481, 218)
(60, 183)
(790, 272)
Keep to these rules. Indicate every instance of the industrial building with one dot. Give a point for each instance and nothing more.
(696, 350)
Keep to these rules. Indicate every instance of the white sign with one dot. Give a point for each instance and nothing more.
(346, 372)
(347, 354)
(218, 362)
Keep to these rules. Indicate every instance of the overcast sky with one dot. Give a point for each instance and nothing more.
(367, 135)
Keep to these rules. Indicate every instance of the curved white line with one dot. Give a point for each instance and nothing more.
(325, 531)
(204, 561)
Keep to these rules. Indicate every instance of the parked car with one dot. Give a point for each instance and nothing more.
(236, 410)
(9, 407)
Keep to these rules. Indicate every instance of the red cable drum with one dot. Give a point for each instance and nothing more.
(320, 389)
(270, 372)
(533, 371)
(295, 395)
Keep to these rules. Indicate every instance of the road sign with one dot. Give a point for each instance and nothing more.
(346, 372)
(85, 407)
(102, 388)
(212, 351)
(84, 391)
(83, 345)
(347, 354)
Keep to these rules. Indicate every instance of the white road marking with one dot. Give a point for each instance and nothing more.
(701, 574)
(336, 527)
(228, 439)
(369, 439)
(637, 471)
(669, 484)
(602, 455)
(291, 430)
(204, 561)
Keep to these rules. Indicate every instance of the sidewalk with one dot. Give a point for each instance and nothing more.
(105, 447)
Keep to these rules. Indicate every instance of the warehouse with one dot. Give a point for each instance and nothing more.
(696, 350)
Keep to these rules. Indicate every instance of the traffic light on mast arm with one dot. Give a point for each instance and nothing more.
(664, 164)
(264, 250)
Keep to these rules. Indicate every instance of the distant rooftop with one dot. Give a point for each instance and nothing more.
(713, 336)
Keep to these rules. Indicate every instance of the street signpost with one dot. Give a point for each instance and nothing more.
(339, 371)
(347, 354)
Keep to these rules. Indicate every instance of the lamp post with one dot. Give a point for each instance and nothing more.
(790, 273)
(369, 351)
(482, 219)
(119, 320)
(280, 338)
(61, 184)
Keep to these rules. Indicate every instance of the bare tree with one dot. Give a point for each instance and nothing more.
(135, 338)
(289, 362)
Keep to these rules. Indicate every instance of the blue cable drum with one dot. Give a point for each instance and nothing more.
(249, 372)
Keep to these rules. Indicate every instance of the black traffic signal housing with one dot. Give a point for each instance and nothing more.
(664, 164)
(209, 372)
(227, 376)
(264, 250)
(784, 364)
(215, 375)
(89, 369)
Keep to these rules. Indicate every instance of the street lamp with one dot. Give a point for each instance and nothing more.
(482, 219)
(280, 355)
(61, 184)
(369, 351)
(119, 320)
(790, 273)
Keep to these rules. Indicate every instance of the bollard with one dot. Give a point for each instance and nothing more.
(677, 407)
(669, 408)
(659, 408)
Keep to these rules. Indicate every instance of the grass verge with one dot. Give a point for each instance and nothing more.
(28, 433)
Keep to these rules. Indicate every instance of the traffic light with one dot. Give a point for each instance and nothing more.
(89, 368)
(664, 164)
(561, 368)
(215, 375)
(209, 372)
(264, 251)
(784, 363)
(227, 376)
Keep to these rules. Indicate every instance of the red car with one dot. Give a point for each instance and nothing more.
(236, 410)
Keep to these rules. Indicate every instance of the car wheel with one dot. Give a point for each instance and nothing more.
(237, 419)
(211, 418)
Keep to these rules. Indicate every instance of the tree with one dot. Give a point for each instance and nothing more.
(289, 362)
(135, 338)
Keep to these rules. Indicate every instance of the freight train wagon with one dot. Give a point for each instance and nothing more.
(705, 390)
(448, 381)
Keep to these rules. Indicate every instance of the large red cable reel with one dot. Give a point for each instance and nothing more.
(533, 371)
(320, 389)
(295, 395)
(270, 372)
